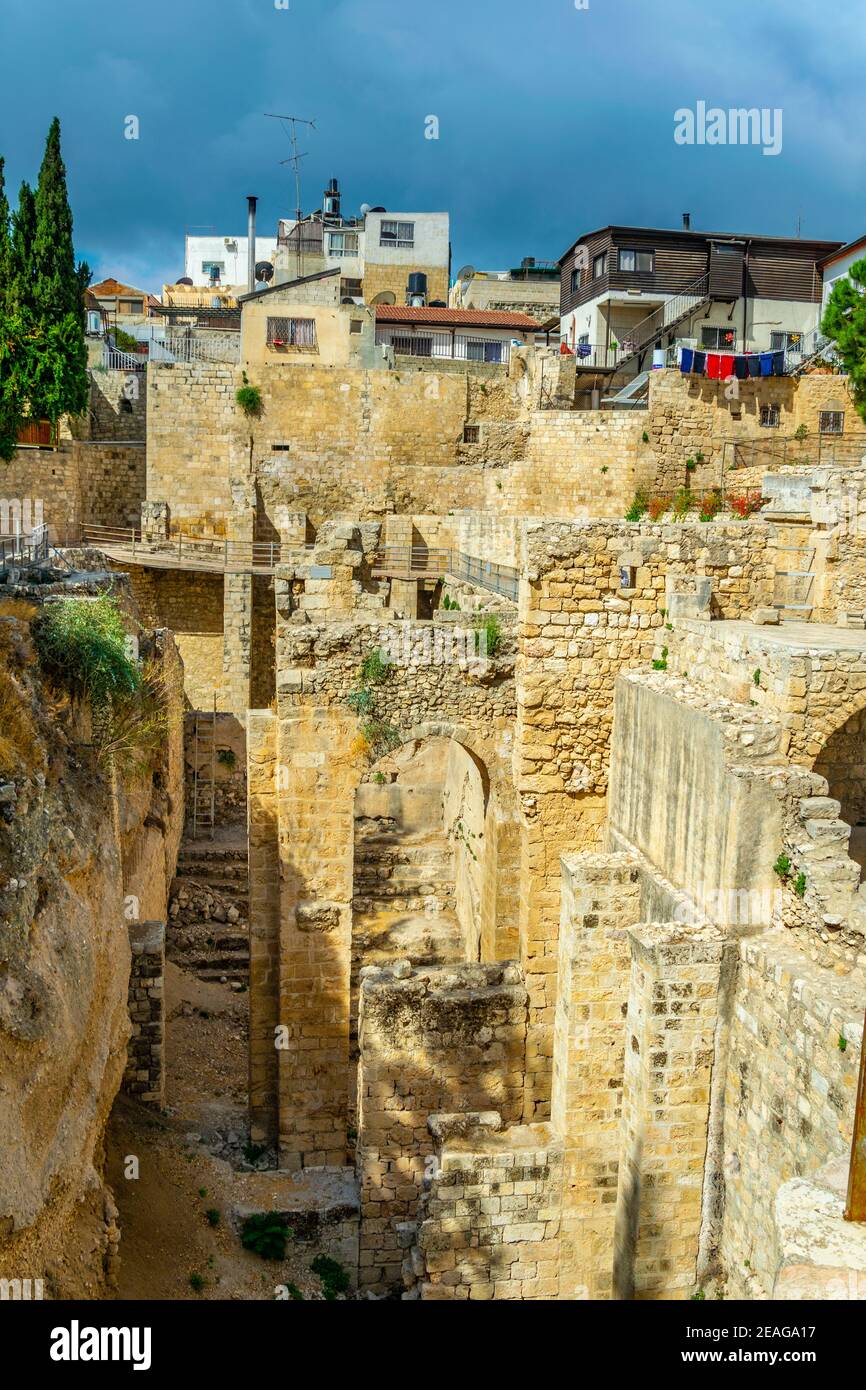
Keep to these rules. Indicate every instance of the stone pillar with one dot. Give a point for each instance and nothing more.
(431, 1038)
(144, 1077)
(673, 1010)
(264, 879)
(600, 901)
(490, 1216)
(237, 642)
(403, 598)
(155, 521)
(317, 775)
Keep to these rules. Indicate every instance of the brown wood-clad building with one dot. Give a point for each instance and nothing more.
(669, 262)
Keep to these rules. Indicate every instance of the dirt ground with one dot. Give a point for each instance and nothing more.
(182, 1173)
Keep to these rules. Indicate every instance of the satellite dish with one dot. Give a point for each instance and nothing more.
(184, 280)
(264, 271)
(365, 208)
(466, 272)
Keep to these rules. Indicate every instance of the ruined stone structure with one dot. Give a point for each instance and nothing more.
(555, 949)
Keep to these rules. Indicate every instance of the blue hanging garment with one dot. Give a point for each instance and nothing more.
(699, 363)
(766, 363)
(754, 363)
(741, 368)
(686, 358)
(779, 362)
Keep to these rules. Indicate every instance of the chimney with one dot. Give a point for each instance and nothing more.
(687, 221)
(251, 242)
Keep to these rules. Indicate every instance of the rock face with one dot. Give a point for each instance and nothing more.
(81, 855)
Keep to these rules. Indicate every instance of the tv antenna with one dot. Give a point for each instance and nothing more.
(295, 161)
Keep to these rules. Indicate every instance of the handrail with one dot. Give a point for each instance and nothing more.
(665, 316)
(397, 560)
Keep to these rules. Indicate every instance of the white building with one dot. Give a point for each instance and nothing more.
(836, 266)
(226, 255)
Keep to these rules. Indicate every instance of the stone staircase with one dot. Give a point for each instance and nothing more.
(208, 929)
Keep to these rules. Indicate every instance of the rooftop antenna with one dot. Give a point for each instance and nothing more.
(295, 161)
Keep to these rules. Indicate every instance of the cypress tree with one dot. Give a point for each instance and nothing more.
(5, 241)
(21, 282)
(58, 383)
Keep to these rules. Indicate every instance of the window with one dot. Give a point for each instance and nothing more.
(722, 339)
(831, 422)
(791, 342)
(397, 234)
(575, 280)
(483, 350)
(214, 270)
(343, 243)
(599, 265)
(770, 417)
(300, 333)
(356, 325)
(643, 261)
(471, 434)
(351, 289)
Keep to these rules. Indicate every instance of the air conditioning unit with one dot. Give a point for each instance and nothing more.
(230, 243)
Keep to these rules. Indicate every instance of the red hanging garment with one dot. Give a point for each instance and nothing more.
(714, 366)
(727, 366)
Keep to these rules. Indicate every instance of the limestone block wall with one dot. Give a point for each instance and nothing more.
(577, 629)
(145, 1064)
(118, 404)
(83, 480)
(264, 883)
(449, 1039)
(670, 1054)
(791, 1079)
(689, 415)
(191, 605)
(600, 901)
(490, 1218)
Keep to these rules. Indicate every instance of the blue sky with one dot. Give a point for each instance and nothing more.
(552, 119)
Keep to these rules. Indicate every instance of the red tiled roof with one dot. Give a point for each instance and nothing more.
(456, 318)
(106, 288)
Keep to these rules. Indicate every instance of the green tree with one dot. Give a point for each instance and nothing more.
(5, 240)
(845, 322)
(20, 295)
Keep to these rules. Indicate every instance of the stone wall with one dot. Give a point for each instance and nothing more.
(83, 480)
(489, 1217)
(431, 1040)
(145, 1065)
(689, 415)
(791, 1078)
(578, 628)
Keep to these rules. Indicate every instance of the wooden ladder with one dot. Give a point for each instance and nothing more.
(203, 787)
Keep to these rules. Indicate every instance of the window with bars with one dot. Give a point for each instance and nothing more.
(722, 339)
(636, 260)
(413, 344)
(397, 234)
(471, 434)
(300, 333)
(791, 342)
(831, 422)
(770, 417)
(483, 350)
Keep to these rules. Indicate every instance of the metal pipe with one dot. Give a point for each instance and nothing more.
(251, 242)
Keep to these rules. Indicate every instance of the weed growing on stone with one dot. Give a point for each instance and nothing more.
(266, 1235)
(334, 1278)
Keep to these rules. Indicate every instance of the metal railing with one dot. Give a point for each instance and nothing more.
(25, 549)
(779, 452)
(119, 361)
(595, 355)
(643, 333)
(216, 345)
(460, 347)
(205, 552)
(415, 562)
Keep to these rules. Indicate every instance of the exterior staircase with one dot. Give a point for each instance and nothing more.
(662, 321)
(208, 931)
